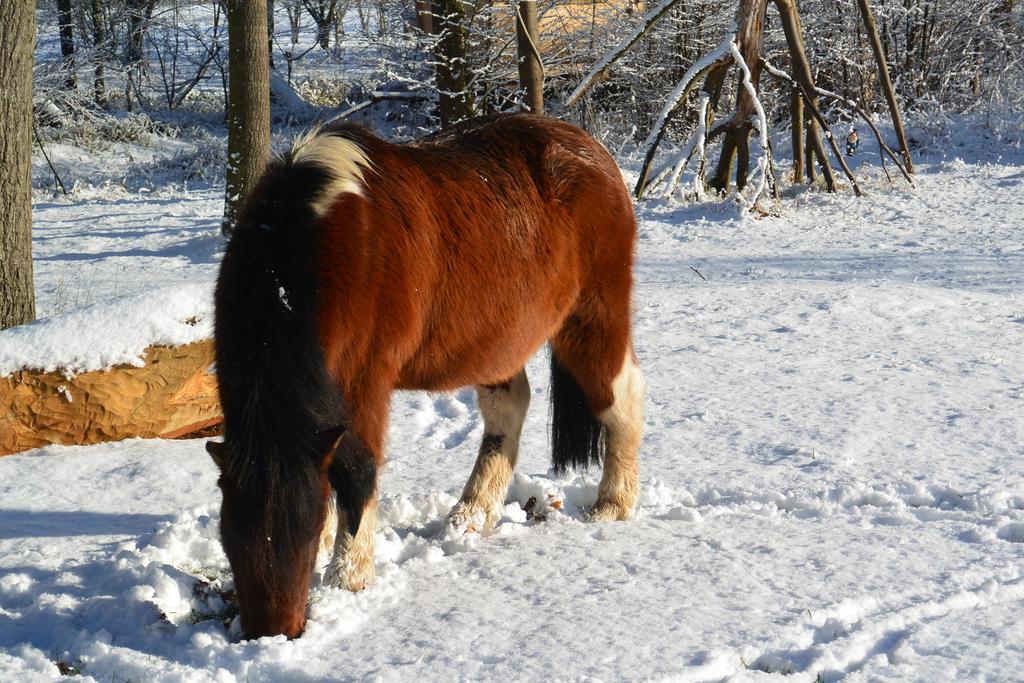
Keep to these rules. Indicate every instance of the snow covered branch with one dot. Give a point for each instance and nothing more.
(762, 126)
(598, 72)
(719, 58)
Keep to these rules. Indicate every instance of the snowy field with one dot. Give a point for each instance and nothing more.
(833, 470)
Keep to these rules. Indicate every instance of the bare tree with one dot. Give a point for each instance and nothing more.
(324, 13)
(98, 47)
(174, 44)
(270, 33)
(294, 10)
(140, 12)
(531, 70)
(883, 72)
(248, 103)
(67, 42)
(804, 88)
(750, 20)
(17, 40)
(453, 73)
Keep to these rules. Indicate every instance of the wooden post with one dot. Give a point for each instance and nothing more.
(883, 73)
(531, 70)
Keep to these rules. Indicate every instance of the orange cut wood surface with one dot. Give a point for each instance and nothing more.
(172, 395)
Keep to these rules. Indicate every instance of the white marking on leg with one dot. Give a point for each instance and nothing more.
(484, 494)
(329, 532)
(620, 483)
(351, 567)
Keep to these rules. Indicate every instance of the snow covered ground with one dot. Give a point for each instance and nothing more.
(833, 480)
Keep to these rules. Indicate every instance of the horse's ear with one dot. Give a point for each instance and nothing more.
(216, 451)
(329, 438)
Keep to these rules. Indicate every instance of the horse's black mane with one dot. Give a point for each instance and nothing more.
(279, 403)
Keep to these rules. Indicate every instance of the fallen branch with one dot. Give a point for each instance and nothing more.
(809, 102)
(778, 73)
(56, 176)
(377, 96)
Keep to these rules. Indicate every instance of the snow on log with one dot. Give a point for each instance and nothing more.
(139, 365)
(172, 394)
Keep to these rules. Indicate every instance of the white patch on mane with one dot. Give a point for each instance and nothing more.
(344, 160)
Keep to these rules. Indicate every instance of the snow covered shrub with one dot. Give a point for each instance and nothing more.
(203, 162)
(321, 91)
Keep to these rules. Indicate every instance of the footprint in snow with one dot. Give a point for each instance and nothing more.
(448, 420)
(1012, 532)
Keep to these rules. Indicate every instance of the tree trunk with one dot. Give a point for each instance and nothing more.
(17, 40)
(883, 73)
(99, 86)
(139, 13)
(809, 149)
(324, 13)
(749, 39)
(67, 42)
(248, 114)
(424, 16)
(796, 114)
(270, 33)
(455, 102)
(294, 18)
(723, 171)
(802, 75)
(531, 71)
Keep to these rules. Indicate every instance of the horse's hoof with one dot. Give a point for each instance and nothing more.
(610, 512)
(346, 578)
(469, 519)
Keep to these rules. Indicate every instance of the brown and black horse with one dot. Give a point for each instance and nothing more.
(359, 267)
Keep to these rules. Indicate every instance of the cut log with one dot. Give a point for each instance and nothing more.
(173, 395)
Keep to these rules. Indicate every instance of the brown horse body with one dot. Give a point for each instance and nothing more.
(430, 265)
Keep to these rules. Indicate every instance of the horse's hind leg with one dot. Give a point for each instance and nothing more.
(620, 484)
(598, 391)
(504, 409)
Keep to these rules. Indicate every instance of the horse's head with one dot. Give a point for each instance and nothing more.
(270, 524)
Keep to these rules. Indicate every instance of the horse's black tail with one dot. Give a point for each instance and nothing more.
(576, 435)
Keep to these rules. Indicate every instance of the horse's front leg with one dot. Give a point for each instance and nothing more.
(352, 473)
(351, 566)
(503, 407)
